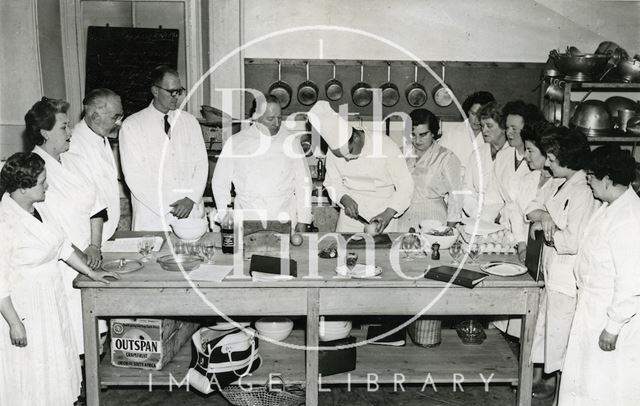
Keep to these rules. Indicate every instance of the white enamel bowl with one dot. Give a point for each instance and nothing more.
(275, 328)
(189, 229)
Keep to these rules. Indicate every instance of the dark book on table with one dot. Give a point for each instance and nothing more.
(465, 277)
(273, 265)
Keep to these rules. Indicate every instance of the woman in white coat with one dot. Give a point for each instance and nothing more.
(602, 366)
(560, 211)
(39, 364)
(72, 200)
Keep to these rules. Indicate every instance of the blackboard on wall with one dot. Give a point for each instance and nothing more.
(120, 59)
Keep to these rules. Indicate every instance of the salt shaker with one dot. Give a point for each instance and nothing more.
(435, 251)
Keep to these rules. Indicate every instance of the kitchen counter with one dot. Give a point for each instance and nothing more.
(153, 292)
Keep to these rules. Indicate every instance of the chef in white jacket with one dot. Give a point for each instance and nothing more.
(480, 192)
(268, 169)
(602, 365)
(560, 211)
(163, 157)
(90, 151)
(72, 203)
(367, 175)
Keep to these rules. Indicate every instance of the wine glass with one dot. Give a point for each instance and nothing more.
(195, 249)
(474, 253)
(456, 252)
(208, 251)
(145, 246)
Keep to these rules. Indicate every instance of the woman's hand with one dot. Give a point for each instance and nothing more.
(18, 334)
(93, 256)
(534, 227)
(548, 227)
(607, 341)
(100, 276)
(522, 251)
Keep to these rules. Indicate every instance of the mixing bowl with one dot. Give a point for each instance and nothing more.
(275, 328)
(615, 103)
(334, 330)
(581, 68)
(592, 118)
(629, 70)
(189, 229)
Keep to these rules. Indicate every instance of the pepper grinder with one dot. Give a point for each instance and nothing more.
(435, 251)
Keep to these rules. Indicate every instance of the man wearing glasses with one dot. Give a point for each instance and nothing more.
(164, 182)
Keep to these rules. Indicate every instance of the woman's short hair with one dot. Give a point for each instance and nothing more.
(42, 116)
(533, 132)
(570, 147)
(492, 111)
(482, 97)
(529, 112)
(424, 116)
(21, 171)
(614, 162)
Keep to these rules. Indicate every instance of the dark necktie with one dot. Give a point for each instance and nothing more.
(167, 126)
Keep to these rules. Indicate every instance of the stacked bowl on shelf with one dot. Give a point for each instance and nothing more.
(334, 330)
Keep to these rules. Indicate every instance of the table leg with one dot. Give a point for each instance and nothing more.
(313, 320)
(525, 381)
(91, 349)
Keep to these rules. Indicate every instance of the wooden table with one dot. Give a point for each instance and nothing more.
(153, 292)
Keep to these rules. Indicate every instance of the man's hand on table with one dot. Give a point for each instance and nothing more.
(383, 219)
(350, 206)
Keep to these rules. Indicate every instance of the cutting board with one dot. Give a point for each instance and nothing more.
(380, 241)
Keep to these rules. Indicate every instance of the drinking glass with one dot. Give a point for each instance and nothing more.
(474, 253)
(195, 249)
(145, 246)
(208, 251)
(456, 252)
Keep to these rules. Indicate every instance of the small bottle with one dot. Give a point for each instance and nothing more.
(320, 170)
(435, 251)
(228, 239)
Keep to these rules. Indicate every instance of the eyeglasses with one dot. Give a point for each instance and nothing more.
(173, 92)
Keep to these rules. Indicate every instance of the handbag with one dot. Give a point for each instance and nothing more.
(219, 358)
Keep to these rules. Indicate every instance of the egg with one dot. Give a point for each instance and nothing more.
(296, 240)
(370, 228)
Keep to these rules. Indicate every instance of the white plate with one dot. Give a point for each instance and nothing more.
(503, 268)
(359, 271)
(228, 326)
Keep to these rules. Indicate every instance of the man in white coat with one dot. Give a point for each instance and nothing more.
(367, 175)
(90, 150)
(602, 364)
(163, 157)
(266, 165)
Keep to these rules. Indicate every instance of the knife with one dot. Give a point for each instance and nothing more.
(362, 219)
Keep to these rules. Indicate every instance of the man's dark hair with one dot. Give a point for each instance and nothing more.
(158, 73)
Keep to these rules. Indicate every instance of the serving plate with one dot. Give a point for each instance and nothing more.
(503, 268)
(360, 271)
(122, 265)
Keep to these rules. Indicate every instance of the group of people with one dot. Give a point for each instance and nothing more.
(507, 167)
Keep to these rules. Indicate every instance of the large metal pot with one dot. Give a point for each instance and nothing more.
(307, 91)
(281, 90)
(415, 93)
(580, 68)
(615, 103)
(333, 88)
(390, 93)
(592, 118)
(629, 70)
(360, 93)
(555, 90)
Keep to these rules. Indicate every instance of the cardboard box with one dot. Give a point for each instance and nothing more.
(147, 343)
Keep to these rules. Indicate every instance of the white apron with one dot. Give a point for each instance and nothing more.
(608, 275)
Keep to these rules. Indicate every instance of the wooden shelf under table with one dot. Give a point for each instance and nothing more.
(414, 363)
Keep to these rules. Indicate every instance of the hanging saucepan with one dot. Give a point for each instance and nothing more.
(307, 91)
(281, 90)
(390, 92)
(442, 96)
(360, 93)
(415, 93)
(333, 88)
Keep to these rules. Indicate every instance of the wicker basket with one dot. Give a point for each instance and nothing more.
(293, 395)
(426, 332)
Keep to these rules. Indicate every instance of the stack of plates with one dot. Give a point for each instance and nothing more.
(502, 268)
(334, 330)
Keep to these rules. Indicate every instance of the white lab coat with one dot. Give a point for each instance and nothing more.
(47, 370)
(509, 182)
(92, 154)
(270, 175)
(608, 275)
(479, 169)
(184, 166)
(377, 180)
(458, 137)
(570, 204)
(71, 201)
